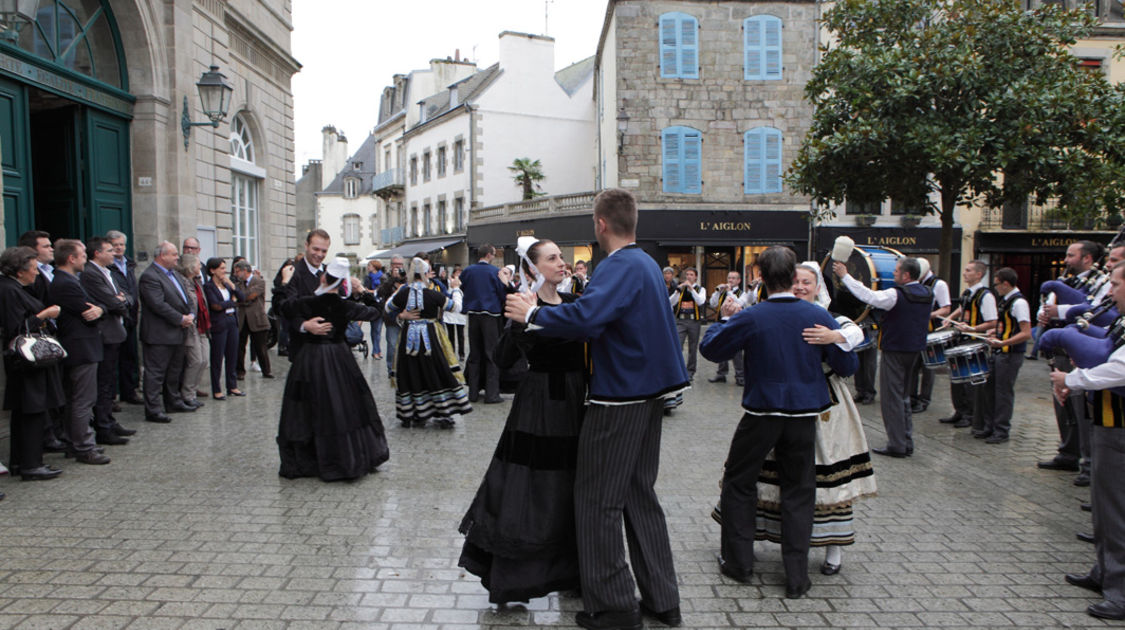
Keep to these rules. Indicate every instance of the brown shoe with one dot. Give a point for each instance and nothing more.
(91, 457)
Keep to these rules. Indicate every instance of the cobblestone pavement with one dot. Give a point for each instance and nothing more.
(190, 527)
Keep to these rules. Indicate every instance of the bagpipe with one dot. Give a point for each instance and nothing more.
(1086, 347)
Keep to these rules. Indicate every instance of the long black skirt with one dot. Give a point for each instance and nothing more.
(519, 530)
(330, 427)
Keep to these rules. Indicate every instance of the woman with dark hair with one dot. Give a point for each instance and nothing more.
(30, 392)
(427, 375)
(330, 427)
(222, 298)
(519, 530)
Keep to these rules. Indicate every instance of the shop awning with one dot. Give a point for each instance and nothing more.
(379, 253)
(413, 247)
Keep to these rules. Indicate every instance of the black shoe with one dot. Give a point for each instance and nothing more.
(717, 379)
(996, 439)
(889, 453)
(122, 431)
(242, 377)
(980, 435)
(282, 352)
(737, 576)
(116, 408)
(829, 569)
(909, 451)
(610, 620)
(1082, 480)
(918, 408)
(866, 400)
(962, 423)
(54, 447)
(194, 403)
(133, 400)
(493, 401)
(1106, 610)
(1085, 537)
(1087, 507)
(1083, 580)
(796, 592)
(741, 382)
(41, 473)
(1057, 464)
(267, 376)
(445, 423)
(91, 457)
(111, 438)
(670, 617)
(180, 407)
(157, 417)
(951, 419)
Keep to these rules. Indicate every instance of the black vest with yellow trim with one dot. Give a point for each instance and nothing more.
(929, 283)
(737, 292)
(1006, 324)
(685, 307)
(1107, 409)
(971, 304)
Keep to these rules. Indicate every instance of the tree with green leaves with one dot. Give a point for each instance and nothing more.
(973, 100)
(527, 175)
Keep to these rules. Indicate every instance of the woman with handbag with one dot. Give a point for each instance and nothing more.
(30, 391)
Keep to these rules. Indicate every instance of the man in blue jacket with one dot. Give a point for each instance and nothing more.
(637, 362)
(484, 303)
(785, 393)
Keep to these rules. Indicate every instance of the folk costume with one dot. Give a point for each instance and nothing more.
(718, 298)
(519, 530)
(996, 398)
(978, 305)
(330, 427)
(427, 373)
(687, 307)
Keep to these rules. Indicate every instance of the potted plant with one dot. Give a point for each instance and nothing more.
(865, 220)
(911, 220)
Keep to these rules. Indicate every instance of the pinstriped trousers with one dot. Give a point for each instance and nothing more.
(618, 460)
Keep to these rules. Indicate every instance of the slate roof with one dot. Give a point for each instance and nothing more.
(575, 75)
(467, 89)
(367, 155)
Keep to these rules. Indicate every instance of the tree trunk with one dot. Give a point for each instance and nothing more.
(945, 253)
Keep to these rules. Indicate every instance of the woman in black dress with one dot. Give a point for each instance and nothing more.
(519, 530)
(30, 392)
(427, 374)
(330, 427)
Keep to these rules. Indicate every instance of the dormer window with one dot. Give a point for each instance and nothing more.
(351, 188)
(357, 166)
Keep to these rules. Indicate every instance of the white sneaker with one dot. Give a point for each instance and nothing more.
(254, 367)
(3, 470)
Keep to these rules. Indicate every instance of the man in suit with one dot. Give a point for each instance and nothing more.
(253, 325)
(98, 282)
(483, 293)
(167, 315)
(124, 271)
(902, 341)
(79, 335)
(40, 241)
(305, 280)
(637, 363)
(785, 393)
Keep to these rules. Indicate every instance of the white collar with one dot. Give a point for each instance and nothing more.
(781, 294)
(312, 270)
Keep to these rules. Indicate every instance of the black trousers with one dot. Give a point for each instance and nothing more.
(26, 447)
(793, 441)
(164, 368)
(481, 372)
(456, 334)
(107, 383)
(128, 364)
(258, 349)
(868, 368)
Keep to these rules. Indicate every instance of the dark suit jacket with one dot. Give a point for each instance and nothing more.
(252, 310)
(303, 283)
(81, 338)
(163, 308)
(103, 294)
(40, 288)
(220, 319)
(127, 282)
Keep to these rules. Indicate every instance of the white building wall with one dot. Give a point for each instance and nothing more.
(330, 212)
(454, 184)
(606, 84)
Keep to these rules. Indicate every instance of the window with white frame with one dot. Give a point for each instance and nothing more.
(441, 161)
(442, 219)
(351, 229)
(426, 218)
(245, 181)
(351, 188)
(458, 156)
(426, 166)
(459, 214)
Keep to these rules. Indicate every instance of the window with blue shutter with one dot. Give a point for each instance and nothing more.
(682, 149)
(679, 46)
(761, 38)
(762, 160)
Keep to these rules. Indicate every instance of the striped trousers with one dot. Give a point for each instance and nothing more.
(618, 460)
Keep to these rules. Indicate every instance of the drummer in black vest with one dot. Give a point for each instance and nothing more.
(732, 290)
(1008, 339)
(903, 337)
(978, 311)
(922, 386)
(688, 300)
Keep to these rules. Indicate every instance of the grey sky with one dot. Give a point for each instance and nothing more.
(350, 49)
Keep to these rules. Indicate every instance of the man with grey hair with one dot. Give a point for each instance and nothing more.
(167, 316)
(124, 272)
(253, 324)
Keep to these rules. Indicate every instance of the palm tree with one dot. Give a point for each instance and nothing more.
(528, 174)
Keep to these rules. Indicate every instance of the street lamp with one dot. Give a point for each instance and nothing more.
(14, 15)
(214, 92)
(622, 126)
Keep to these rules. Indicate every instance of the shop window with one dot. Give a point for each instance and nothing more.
(761, 44)
(682, 150)
(762, 146)
(679, 46)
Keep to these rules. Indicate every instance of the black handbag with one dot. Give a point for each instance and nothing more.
(36, 349)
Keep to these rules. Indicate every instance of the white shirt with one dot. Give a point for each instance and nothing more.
(714, 301)
(1020, 310)
(941, 292)
(223, 291)
(987, 303)
(312, 270)
(48, 271)
(698, 293)
(1105, 376)
(884, 298)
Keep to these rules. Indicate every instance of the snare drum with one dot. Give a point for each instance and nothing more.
(968, 363)
(933, 357)
(873, 266)
(869, 337)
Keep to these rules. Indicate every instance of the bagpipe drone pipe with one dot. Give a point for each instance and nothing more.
(1087, 347)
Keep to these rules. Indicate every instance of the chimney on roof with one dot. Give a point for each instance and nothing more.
(456, 54)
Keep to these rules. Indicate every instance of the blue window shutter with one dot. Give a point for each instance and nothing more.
(689, 47)
(669, 49)
(672, 149)
(755, 156)
(752, 46)
(693, 162)
(772, 47)
(773, 161)
(761, 37)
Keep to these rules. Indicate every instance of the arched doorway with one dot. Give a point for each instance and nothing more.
(65, 109)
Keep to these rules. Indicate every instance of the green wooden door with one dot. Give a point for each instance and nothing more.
(108, 179)
(15, 161)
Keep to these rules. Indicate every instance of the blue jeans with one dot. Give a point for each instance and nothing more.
(392, 346)
(376, 328)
